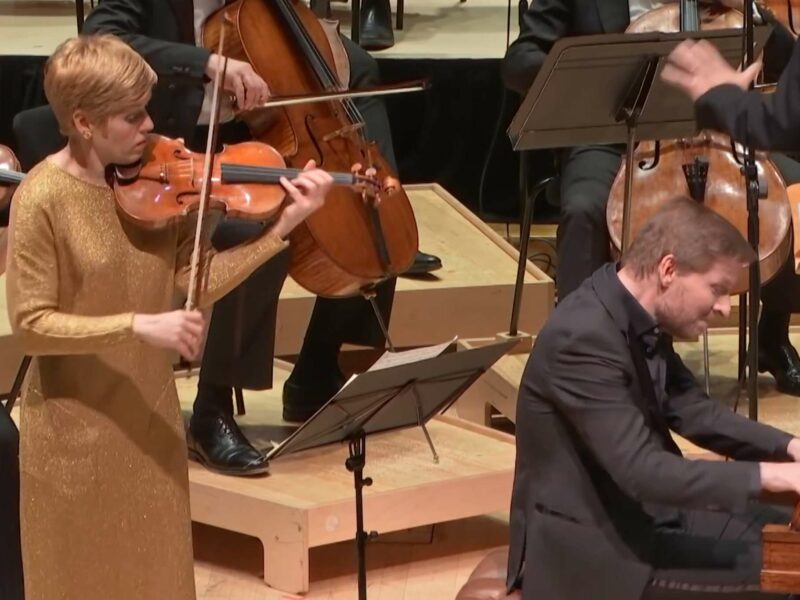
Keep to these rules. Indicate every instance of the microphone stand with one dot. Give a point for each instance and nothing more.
(753, 193)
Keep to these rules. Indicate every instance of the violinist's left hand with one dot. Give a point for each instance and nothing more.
(696, 67)
(306, 194)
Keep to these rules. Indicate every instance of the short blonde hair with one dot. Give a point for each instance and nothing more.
(694, 234)
(98, 74)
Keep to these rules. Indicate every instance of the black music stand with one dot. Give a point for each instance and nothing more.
(606, 89)
(395, 397)
(16, 387)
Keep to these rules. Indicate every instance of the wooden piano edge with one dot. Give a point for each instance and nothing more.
(780, 568)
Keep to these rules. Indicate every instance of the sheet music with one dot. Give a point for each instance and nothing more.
(395, 359)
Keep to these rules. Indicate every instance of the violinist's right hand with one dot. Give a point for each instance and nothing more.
(250, 90)
(306, 194)
(179, 330)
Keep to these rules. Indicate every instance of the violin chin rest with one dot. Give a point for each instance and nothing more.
(127, 173)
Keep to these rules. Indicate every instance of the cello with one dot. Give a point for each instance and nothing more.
(786, 12)
(706, 167)
(349, 245)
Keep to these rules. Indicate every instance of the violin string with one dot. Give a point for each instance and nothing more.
(256, 172)
(11, 176)
(275, 172)
(185, 170)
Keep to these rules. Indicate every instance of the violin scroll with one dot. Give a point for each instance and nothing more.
(8, 162)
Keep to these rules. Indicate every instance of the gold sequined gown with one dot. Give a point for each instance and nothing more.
(104, 484)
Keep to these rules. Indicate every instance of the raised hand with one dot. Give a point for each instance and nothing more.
(696, 67)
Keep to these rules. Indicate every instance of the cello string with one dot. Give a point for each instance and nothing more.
(321, 69)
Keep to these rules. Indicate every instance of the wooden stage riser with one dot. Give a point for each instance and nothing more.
(428, 317)
(289, 514)
(289, 533)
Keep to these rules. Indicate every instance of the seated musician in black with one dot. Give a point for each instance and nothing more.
(10, 554)
(240, 343)
(604, 506)
(587, 172)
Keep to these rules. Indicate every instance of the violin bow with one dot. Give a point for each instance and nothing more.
(197, 277)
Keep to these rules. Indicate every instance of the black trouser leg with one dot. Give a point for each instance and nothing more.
(718, 556)
(241, 335)
(587, 173)
(782, 293)
(11, 587)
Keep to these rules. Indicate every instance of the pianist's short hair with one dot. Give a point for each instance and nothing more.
(695, 235)
(98, 74)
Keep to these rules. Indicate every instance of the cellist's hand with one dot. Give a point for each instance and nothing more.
(250, 90)
(306, 194)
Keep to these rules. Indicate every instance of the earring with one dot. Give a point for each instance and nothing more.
(87, 135)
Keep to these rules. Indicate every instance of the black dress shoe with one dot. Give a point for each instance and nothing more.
(424, 263)
(783, 362)
(218, 444)
(376, 25)
(301, 399)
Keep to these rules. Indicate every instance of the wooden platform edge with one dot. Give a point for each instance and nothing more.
(485, 229)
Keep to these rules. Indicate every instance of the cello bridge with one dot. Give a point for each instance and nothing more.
(343, 131)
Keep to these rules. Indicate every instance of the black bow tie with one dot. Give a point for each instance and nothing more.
(654, 341)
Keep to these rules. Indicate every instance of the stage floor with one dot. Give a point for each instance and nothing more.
(437, 29)
(426, 562)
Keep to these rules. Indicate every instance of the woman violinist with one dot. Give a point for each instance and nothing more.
(242, 329)
(104, 482)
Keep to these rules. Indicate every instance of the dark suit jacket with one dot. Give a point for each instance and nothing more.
(763, 121)
(162, 31)
(597, 473)
(546, 21)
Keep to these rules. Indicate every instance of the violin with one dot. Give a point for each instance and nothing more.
(347, 246)
(9, 178)
(165, 185)
(9, 175)
(706, 167)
